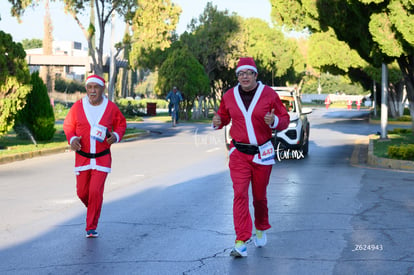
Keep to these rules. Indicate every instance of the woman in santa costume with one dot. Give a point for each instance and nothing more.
(254, 109)
(91, 126)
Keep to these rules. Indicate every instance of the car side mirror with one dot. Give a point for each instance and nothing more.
(306, 111)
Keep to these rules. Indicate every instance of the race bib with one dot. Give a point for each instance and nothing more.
(267, 151)
(98, 132)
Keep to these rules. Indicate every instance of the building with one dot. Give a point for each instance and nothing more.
(69, 59)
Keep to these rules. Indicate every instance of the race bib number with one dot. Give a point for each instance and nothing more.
(98, 132)
(267, 151)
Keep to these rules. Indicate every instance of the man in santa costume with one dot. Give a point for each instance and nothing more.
(91, 126)
(254, 109)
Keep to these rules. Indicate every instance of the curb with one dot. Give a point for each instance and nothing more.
(62, 149)
(28, 155)
(131, 137)
(357, 156)
(387, 163)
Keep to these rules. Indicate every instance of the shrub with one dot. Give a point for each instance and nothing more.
(131, 107)
(60, 111)
(318, 101)
(37, 116)
(331, 84)
(400, 131)
(161, 103)
(14, 81)
(69, 86)
(404, 151)
(405, 118)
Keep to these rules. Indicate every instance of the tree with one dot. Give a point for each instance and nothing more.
(37, 116)
(275, 56)
(332, 84)
(32, 43)
(103, 10)
(328, 54)
(216, 41)
(153, 25)
(182, 69)
(146, 85)
(19, 6)
(380, 31)
(155, 20)
(14, 81)
(125, 79)
(395, 96)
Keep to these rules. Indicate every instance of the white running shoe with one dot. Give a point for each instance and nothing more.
(91, 234)
(239, 250)
(260, 239)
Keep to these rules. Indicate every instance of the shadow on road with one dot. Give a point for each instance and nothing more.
(152, 230)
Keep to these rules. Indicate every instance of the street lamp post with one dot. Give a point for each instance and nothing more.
(319, 86)
(384, 107)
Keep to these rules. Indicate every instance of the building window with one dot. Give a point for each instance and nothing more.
(77, 46)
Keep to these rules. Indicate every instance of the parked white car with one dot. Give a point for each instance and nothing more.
(296, 135)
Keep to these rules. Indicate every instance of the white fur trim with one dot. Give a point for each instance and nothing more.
(246, 67)
(275, 123)
(248, 113)
(117, 136)
(71, 140)
(95, 80)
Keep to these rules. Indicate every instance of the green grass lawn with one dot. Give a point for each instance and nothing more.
(164, 117)
(10, 144)
(404, 119)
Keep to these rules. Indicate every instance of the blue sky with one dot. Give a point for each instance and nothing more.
(66, 29)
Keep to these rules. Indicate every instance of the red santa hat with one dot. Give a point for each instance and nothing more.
(246, 63)
(95, 79)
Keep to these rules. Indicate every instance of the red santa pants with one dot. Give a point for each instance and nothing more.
(90, 188)
(243, 171)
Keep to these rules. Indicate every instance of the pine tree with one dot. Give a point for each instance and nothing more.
(37, 116)
(14, 81)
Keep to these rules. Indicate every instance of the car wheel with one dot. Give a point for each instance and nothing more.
(305, 146)
(274, 141)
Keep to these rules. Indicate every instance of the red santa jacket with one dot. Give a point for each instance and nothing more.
(79, 122)
(248, 126)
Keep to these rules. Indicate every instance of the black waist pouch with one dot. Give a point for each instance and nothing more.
(249, 149)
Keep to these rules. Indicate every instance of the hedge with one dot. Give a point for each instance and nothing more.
(404, 151)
